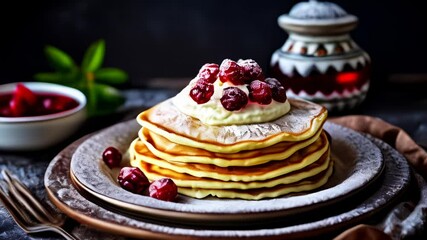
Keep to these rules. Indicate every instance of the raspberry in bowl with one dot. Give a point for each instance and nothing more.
(36, 115)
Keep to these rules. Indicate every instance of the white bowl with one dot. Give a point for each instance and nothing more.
(39, 132)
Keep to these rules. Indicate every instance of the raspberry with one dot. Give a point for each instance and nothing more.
(260, 92)
(230, 71)
(112, 157)
(209, 71)
(277, 89)
(163, 189)
(251, 70)
(133, 180)
(233, 98)
(202, 91)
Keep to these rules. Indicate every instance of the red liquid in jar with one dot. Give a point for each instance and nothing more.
(47, 103)
(348, 79)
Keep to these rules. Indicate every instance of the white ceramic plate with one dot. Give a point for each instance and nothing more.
(358, 162)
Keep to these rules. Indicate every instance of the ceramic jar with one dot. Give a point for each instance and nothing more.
(319, 61)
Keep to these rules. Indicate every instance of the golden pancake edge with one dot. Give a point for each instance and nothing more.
(252, 161)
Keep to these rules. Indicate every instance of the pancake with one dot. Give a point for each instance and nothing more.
(170, 151)
(300, 159)
(154, 172)
(238, 156)
(305, 185)
(300, 123)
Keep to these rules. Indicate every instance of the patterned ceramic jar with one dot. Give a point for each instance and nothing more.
(319, 61)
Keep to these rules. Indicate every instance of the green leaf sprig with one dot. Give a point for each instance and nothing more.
(89, 78)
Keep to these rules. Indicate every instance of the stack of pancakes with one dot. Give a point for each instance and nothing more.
(253, 161)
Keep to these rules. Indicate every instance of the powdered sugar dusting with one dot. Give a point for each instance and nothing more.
(357, 163)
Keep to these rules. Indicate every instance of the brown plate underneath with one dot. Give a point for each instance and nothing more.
(65, 196)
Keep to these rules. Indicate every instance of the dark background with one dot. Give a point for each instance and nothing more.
(167, 38)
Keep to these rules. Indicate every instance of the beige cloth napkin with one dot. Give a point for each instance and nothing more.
(397, 138)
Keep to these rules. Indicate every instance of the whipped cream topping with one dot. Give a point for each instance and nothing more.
(213, 113)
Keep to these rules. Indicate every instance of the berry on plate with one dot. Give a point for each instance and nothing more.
(133, 180)
(112, 157)
(163, 189)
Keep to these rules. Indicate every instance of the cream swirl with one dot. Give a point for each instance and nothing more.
(213, 113)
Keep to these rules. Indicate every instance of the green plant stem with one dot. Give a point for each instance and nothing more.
(92, 101)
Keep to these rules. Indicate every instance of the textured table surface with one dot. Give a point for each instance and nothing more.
(30, 166)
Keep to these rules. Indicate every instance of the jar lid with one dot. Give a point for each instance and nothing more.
(317, 18)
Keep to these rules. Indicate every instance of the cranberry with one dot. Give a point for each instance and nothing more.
(22, 93)
(251, 70)
(112, 157)
(133, 180)
(5, 112)
(260, 92)
(202, 91)
(209, 71)
(277, 89)
(17, 107)
(23, 100)
(50, 105)
(56, 104)
(230, 71)
(233, 98)
(163, 189)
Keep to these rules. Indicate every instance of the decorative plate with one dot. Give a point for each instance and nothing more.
(358, 162)
(391, 186)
